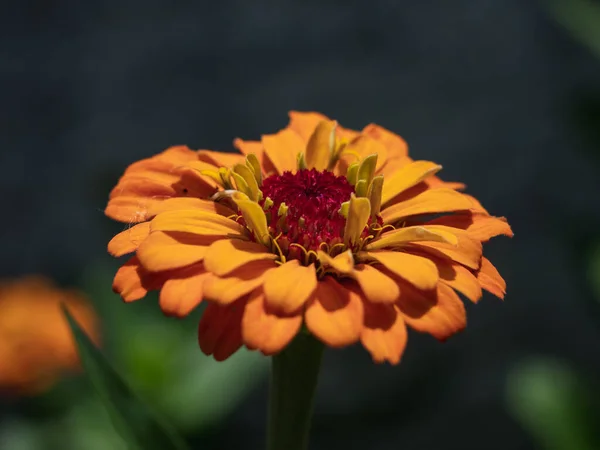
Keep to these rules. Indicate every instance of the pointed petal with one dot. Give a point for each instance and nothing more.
(132, 282)
(196, 222)
(189, 203)
(165, 251)
(405, 235)
(479, 226)
(384, 333)
(441, 315)
(320, 146)
(242, 281)
(376, 286)
(220, 159)
(461, 279)
(304, 123)
(364, 145)
(407, 177)
(226, 255)
(219, 331)
(458, 277)
(335, 314)
(289, 286)
(129, 240)
(256, 148)
(490, 279)
(467, 252)
(180, 295)
(429, 202)
(282, 149)
(395, 145)
(264, 330)
(419, 271)
(130, 209)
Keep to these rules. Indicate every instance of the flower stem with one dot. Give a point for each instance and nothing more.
(294, 376)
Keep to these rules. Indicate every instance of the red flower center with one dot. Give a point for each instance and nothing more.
(313, 200)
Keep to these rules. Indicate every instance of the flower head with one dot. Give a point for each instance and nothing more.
(316, 225)
(36, 345)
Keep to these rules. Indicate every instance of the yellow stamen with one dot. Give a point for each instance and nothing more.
(366, 172)
(358, 216)
(253, 163)
(243, 171)
(374, 195)
(267, 204)
(283, 209)
(254, 216)
(352, 173)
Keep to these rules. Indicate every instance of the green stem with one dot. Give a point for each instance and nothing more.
(294, 376)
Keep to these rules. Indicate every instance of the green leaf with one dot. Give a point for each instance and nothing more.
(138, 426)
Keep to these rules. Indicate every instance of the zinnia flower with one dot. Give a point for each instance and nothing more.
(316, 227)
(36, 345)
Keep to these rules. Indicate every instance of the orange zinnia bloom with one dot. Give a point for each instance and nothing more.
(36, 345)
(319, 225)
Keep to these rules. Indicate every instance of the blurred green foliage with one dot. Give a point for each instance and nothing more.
(553, 403)
(157, 356)
(140, 427)
(581, 18)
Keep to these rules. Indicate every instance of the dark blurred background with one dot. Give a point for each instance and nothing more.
(504, 94)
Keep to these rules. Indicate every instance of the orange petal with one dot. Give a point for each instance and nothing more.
(196, 222)
(458, 277)
(180, 295)
(282, 149)
(364, 146)
(429, 202)
(395, 145)
(304, 123)
(130, 209)
(226, 290)
(129, 240)
(440, 315)
(405, 235)
(407, 177)
(264, 330)
(219, 331)
(188, 203)
(335, 314)
(289, 286)
(180, 182)
(164, 251)
(377, 287)
(132, 282)
(489, 278)
(467, 252)
(256, 148)
(320, 146)
(479, 226)
(384, 333)
(419, 271)
(220, 159)
(226, 255)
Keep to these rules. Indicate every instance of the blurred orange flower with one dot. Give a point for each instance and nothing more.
(35, 341)
(317, 225)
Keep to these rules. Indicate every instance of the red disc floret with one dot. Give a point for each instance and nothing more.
(313, 200)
